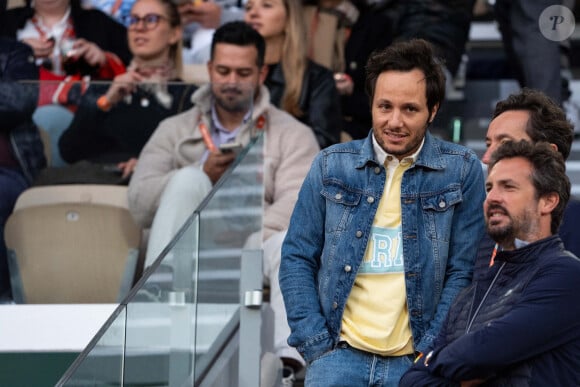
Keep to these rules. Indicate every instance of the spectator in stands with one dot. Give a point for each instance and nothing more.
(119, 10)
(21, 149)
(112, 125)
(327, 25)
(71, 45)
(537, 62)
(296, 84)
(443, 23)
(177, 167)
(200, 19)
(532, 116)
(518, 323)
(371, 29)
(67, 39)
(526, 47)
(383, 234)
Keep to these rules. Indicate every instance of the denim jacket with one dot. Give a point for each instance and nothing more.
(442, 223)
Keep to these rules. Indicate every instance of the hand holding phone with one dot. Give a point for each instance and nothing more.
(229, 147)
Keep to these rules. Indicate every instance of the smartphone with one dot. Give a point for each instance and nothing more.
(229, 147)
(112, 168)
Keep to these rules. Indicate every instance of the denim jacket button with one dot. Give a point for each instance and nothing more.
(371, 200)
(442, 204)
(358, 234)
(334, 305)
(338, 196)
(377, 170)
(348, 268)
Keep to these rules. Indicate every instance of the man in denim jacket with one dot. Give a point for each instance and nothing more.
(384, 232)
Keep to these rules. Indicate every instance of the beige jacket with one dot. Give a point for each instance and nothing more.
(290, 147)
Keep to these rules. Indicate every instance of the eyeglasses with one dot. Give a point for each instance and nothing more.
(150, 21)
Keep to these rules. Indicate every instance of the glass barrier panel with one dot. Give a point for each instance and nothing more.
(177, 312)
(103, 364)
(230, 221)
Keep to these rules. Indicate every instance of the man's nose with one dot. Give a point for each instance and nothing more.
(395, 120)
(486, 158)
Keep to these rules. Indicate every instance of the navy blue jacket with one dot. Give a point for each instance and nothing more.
(17, 103)
(518, 324)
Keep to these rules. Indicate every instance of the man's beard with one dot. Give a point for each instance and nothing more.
(518, 226)
(234, 99)
(502, 234)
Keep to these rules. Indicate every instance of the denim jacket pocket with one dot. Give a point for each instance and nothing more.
(438, 212)
(340, 203)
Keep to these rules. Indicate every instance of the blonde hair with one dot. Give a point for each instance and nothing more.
(294, 57)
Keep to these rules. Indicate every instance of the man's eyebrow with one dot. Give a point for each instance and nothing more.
(501, 136)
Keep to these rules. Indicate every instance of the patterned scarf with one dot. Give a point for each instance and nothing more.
(156, 77)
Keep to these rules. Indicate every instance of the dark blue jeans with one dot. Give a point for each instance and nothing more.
(12, 183)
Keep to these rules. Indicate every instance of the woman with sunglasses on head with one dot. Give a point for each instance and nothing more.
(296, 84)
(67, 39)
(113, 123)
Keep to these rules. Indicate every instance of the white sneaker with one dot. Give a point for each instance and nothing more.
(288, 377)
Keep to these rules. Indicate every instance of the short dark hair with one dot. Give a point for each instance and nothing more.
(406, 56)
(548, 174)
(240, 34)
(547, 121)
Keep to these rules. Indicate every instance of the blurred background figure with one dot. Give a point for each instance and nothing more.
(445, 24)
(119, 10)
(200, 18)
(72, 45)
(114, 122)
(68, 39)
(362, 26)
(21, 149)
(526, 46)
(297, 84)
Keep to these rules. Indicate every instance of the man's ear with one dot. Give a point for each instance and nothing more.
(263, 73)
(433, 113)
(554, 146)
(548, 202)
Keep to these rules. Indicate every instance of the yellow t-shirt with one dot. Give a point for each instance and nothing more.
(376, 318)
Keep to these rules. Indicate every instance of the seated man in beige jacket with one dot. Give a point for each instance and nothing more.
(176, 169)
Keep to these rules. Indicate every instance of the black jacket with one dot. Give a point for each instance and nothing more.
(518, 324)
(17, 103)
(319, 101)
(90, 24)
(121, 133)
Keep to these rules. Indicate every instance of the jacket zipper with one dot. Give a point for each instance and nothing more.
(483, 299)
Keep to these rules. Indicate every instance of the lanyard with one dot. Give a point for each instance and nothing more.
(206, 136)
(493, 254)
